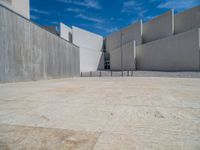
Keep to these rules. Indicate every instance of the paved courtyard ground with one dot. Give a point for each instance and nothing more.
(119, 113)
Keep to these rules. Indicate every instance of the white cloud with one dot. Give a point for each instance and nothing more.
(75, 10)
(86, 3)
(128, 6)
(106, 29)
(179, 5)
(133, 7)
(39, 11)
(97, 20)
(54, 22)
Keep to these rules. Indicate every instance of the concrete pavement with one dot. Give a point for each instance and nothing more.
(101, 114)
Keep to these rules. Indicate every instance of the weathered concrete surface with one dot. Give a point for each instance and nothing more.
(116, 59)
(132, 113)
(90, 48)
(123, 58)
(52, 29)
(175, 53)
(159, 27)
(28, 52)
(124, 36)
(187, 20)
(21, 7)
(132, 33)
(129, 56)
(42, 138)
(113, 41)
(101, 65)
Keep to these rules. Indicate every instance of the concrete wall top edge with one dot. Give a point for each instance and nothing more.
(159, 27)
(87, 39)
(160, 16)
(193, 30)
(174, 53)
(188, 10)
(65, 32)
(124, 36)
(124, 28)
(21, 7)
(33, 53)
(65, 26)
(36, 24)
(87, 32)
(187, 20)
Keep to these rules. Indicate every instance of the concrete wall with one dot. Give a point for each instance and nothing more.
(159, 27)
(101, 65)
(113, 41)
(123, 58)
(52, 29)
(125, 35)
(187, 20)
(129, 56)
(65, 32)
(89, 60)
(116, 59)
(28, 52)
(20, 6)
(132, 33)
(90, 48)
(175, 53)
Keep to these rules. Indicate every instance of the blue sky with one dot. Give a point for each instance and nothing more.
(102, 16)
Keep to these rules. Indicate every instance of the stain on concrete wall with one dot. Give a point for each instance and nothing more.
(28, 52)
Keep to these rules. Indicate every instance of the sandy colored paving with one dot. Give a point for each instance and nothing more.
(101, 114)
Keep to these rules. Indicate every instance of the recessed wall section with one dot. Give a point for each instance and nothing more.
(159, 27)
(174, 53)
(132, 33)
(128, 56)
(116, 59)
(113, 41)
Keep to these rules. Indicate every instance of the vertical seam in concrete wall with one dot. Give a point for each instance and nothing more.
(199, 46)
(141, 26)
(121, 34)
(173, 22)
(134, 48)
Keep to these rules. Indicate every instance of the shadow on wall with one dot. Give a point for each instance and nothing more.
(101, 62)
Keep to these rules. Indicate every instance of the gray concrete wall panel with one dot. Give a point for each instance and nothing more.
(28, 52)
(174, 53)
(131, 33)
(101, 63)
(113, 41)
(159, 27)
(116, 59)
(128, 56)
(21, 7)
(187, 20)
